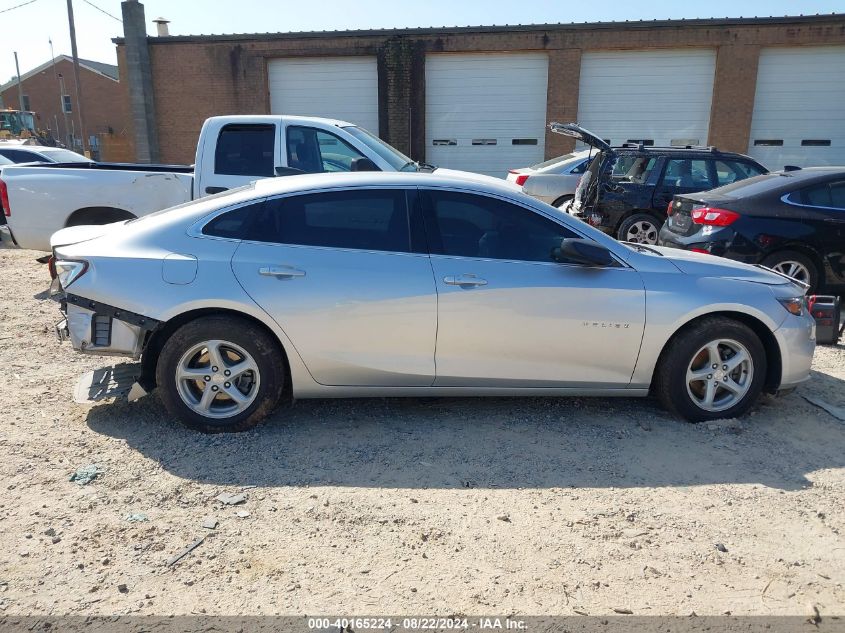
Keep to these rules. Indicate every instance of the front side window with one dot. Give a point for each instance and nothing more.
(366, 219)
(687, 174)
(246, 150)
(468, 225)
(316, 151)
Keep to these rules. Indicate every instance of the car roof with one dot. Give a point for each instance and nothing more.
(773, 182)
(258, 118)
(303, 182)
(696, 151)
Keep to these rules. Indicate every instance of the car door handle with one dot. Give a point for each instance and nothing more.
(464, 280)
(281, 272)
(213, 190)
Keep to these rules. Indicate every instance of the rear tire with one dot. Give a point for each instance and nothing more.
(640, 228)
(220, 374)
(794, 264)
(562, 201)
(695, 384)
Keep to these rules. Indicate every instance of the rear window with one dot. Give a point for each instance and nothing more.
(755, 185)
(553, 161)
(245, 150)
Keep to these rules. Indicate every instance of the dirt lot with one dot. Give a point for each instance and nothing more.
(528, 506)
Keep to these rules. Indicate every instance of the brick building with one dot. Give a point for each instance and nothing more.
(480, 97)
(50, 91)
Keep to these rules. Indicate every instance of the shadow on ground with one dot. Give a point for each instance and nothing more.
(490, 443)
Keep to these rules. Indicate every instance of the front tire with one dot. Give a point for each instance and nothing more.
(795, 265)
(715, 368)
(640, 228)
(220, 374)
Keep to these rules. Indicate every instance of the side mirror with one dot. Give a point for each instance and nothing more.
(584, 252)
(363, 164)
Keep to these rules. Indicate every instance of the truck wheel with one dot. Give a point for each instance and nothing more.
(640, 228)
(796, 265)
(714, 369)
(220, 374)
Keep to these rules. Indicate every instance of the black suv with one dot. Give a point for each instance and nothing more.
(626, 190)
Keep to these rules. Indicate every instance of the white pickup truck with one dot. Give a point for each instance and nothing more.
(38, 200)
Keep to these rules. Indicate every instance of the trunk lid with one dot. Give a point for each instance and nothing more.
(576, 131)
(679, 216)
(83, 233)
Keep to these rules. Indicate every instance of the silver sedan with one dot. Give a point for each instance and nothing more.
(373, 284)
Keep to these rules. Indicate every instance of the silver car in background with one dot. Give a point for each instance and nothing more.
(380, 284)
(553, 181)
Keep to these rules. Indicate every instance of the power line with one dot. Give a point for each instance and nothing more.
(100, 10)
(18, 6)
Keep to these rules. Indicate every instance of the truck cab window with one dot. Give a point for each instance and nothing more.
(245, 150)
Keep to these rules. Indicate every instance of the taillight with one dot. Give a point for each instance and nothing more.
(669, 210)
(4, 199)
(520, 180)
(711, 216)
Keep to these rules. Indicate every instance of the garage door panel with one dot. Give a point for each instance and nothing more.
(658, 95)
(479, 96)
(800, 96)
(343, 88)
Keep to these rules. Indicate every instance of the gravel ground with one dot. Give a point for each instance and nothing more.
(449, 506)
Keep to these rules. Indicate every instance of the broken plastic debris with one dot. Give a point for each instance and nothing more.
(85, 474)
(137, 517)
(231, 500)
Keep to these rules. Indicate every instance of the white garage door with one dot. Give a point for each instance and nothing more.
(343, 88)
(662, 96)
(799, 107)
(485, 112)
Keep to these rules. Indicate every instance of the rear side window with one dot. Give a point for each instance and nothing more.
(233, 224)
(827, 195)
(366, 219)
(245, 150)
(635, 169)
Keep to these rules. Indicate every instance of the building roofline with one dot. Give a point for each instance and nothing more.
(439, 30)
(48, 64)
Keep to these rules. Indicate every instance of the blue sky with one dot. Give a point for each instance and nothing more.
(26, 29)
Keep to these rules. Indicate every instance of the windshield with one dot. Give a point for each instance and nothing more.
(393, 156)
(65, 156)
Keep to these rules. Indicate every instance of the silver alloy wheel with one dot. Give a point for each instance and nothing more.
(642, 232)
(217, 379)
(793, 269)
(719, 375)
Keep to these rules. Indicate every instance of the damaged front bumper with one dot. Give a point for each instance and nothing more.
(96, 328)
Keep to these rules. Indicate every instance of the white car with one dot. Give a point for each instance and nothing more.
(20, 153)
(553, 181)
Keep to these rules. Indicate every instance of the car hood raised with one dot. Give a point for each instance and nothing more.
(83, 233)
(703, 265)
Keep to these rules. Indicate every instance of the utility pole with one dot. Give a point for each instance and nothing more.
(20, 88)
(76, 74)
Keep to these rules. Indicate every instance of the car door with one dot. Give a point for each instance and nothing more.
(345, 275)
(241, 153)
(630, 186)
(826, 203)
(508, 315)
